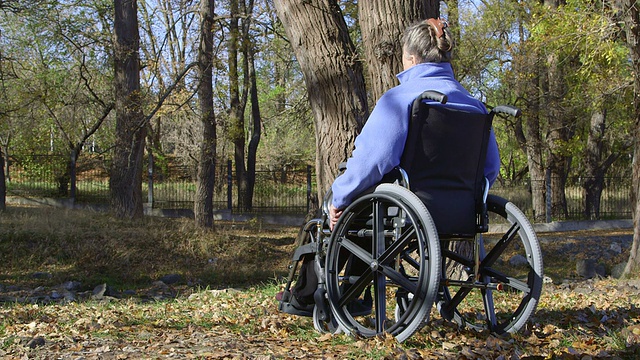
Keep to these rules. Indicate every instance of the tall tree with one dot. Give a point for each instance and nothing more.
(559, 126)
(3, 183)
(595, 164)
(239, 46)
(333, 76)
(125, 182)
(256, 126)
(381, 24)
(630, 12)
(203, 207)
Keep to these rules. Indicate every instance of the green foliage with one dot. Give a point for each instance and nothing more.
(57, 79)
(499, 37)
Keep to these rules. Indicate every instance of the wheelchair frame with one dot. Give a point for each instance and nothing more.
(385, 265)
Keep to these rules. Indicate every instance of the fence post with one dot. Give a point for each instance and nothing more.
(308, 187)
(150, 180)
(229, 184)
(548, 194)
(72, 175)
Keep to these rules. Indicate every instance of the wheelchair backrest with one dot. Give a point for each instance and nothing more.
(444, 158)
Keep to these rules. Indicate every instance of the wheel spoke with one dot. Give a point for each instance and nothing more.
(500, 247)
(353, 292)
(399, 245)
(356, 250)
(400, 280)
(379, 281)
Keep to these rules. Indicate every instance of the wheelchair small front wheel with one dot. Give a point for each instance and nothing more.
(383, 254)
(508, 288)
(326, 325)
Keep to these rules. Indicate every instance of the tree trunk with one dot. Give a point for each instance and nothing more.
(558, 133)
(528, 126)
(382, 23)
(557, 137)
(333, 76)
(203, 206)
(126, 171)
(631, 11)
(237, 104)
(256, 130)
(3, 184)
(594, 173)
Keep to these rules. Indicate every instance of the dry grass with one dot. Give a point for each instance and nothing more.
(94, 248)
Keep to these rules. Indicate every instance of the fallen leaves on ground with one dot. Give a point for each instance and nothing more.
(595, 319)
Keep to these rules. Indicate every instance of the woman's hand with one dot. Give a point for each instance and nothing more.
(334, 215)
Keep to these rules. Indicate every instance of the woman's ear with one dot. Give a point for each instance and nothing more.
(408, 60)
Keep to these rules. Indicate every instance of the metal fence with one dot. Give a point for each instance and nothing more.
(167, 186)
(615, 201)
(285, 191)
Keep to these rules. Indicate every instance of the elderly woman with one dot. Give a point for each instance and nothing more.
(378, 149)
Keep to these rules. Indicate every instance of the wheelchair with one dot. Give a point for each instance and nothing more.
(395, 252)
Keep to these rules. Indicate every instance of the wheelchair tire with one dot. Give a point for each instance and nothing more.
(511, 275)
(383, 250)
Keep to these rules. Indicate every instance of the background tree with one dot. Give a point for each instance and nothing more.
(256, 124)
(630, 17)
(125, 180)
(3, 184)
(287, 139)
(203, 207)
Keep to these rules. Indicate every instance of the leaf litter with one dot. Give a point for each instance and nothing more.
(576, 319)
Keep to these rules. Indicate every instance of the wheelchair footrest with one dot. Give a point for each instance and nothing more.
(290, 305)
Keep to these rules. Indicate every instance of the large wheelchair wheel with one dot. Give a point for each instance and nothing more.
(383, 253)
(507, 289)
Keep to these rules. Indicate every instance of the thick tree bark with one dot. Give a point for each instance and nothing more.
(382, 23)
(333, 76)
(126, 171)
(203, 207)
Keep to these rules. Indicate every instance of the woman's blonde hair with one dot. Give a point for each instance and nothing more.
(429, 40)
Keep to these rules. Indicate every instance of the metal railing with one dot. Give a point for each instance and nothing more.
(276, 190)
(166, 187)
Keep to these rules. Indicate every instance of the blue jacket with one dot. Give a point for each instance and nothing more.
(379, 146)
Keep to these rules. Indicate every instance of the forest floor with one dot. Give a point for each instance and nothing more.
(77, 285)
